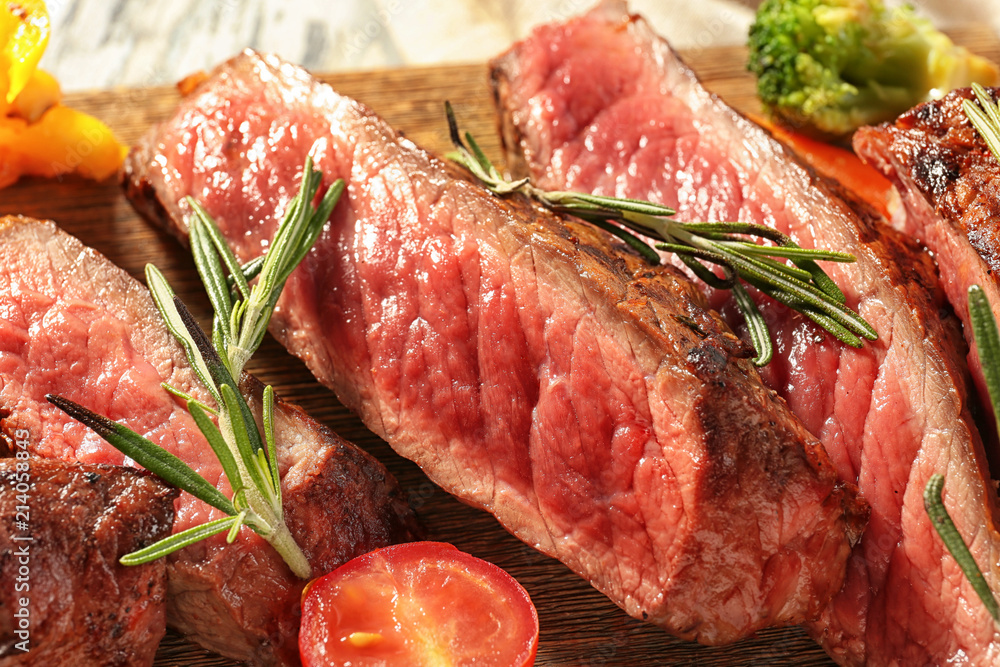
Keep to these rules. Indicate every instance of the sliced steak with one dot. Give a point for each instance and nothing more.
(529, 364)
(602, 104)
(64, 597)
(71, 323)
(949, 184)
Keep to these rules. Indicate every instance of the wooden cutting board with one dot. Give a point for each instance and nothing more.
(579, 626)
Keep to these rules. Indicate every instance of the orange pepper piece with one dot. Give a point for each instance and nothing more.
(39, 135)
(63, 140)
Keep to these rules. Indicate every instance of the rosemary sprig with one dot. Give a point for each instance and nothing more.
(986, 120)
(802, 285)
(248, 457)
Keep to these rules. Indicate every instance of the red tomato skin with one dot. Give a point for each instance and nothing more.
(414, 604)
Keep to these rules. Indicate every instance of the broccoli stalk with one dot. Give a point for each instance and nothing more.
(827, 67)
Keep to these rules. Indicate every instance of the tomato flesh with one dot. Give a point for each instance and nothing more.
(420, 603)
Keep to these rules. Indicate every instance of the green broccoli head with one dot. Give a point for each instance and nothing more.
(829, 66)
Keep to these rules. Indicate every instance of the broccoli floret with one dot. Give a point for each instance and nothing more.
(829, 66)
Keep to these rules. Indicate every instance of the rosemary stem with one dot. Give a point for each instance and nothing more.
(283, 542)
(264, 505)
(267, 519)
(238, 358)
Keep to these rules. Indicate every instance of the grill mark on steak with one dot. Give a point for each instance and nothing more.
(71, 323)
(937, 138)
(530, 365)
(937, 169)
(85, 608)
(600, 103)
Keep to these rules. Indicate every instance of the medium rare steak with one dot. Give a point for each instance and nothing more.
(948, 181)
(529, 364)
(64, 597)
(602, 104)
(73, 324)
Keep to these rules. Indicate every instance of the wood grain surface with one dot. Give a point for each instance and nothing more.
(579, 626)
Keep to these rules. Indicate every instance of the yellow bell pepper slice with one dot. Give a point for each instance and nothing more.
(39, 135)
(24, 34)
(41, 92)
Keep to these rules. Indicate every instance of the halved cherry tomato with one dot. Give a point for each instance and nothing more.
(420, 603)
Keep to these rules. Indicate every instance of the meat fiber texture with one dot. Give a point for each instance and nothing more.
(529, 365)
(58, 520)
(602, 104)
(948, 182)
(72, 323)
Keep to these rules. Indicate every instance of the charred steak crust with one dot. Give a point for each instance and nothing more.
(530, 365)
(76, 325)
(950, 165)
(84, 607)
(600, 103)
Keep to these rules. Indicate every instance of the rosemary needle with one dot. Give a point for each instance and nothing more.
(952, 539)
(802, 285)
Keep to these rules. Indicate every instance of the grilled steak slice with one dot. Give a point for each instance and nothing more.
(65, 599)
(602, 104)
(528, 364)
(73, 324)
(948, 182)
